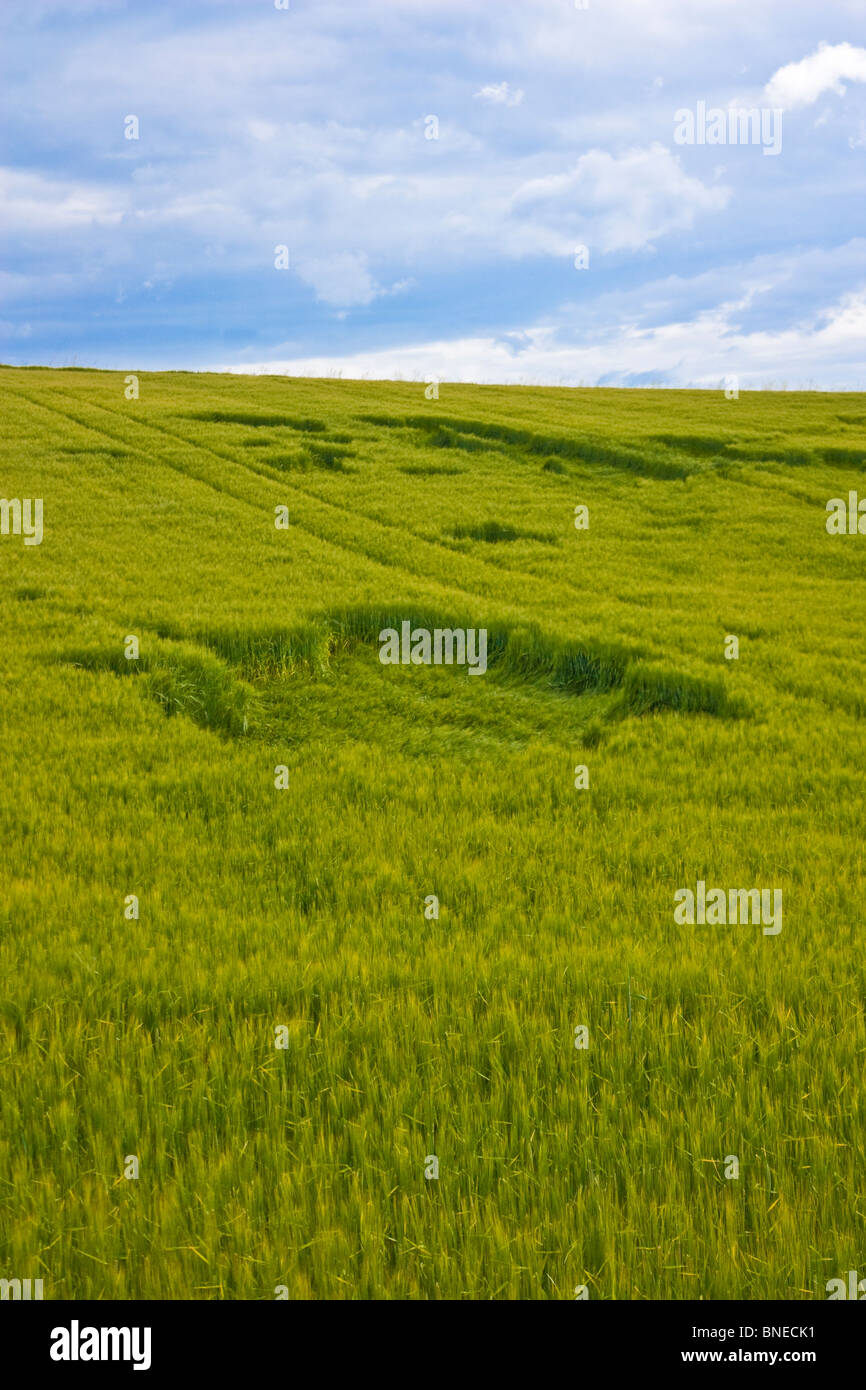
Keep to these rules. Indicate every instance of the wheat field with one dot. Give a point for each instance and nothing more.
(221, 953)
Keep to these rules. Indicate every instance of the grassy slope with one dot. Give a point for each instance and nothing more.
(304, 907)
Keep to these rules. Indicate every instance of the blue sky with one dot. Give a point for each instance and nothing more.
(449, 257)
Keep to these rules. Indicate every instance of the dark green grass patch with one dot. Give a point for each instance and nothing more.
(183, 680)
(450, 432)
(330, 456)
(494, 532)
(431, 470)
(514, 654)
(256, 420)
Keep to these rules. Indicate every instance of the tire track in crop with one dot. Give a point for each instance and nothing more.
(442, 546)
(445, 551)
(161, 461)
(339, 546)
(491, 579)
(537, 609)
(120, 439)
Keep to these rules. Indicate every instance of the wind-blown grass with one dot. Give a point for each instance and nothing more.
(304, 908)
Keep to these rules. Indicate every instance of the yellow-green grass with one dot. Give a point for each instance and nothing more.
(304, 1167)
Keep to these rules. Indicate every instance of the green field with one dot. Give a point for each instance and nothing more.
(303, 907)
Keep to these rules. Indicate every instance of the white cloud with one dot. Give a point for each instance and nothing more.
(825, 350)
(32, 201)
(621, 203)
(262, 130)
(342, 279)
(801, 84)
(401, 211)
(500, 94)
(259, 130)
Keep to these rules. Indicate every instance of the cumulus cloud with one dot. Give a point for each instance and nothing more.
(802, 83)
(261, 128)
(410, 218)
(623, 202)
